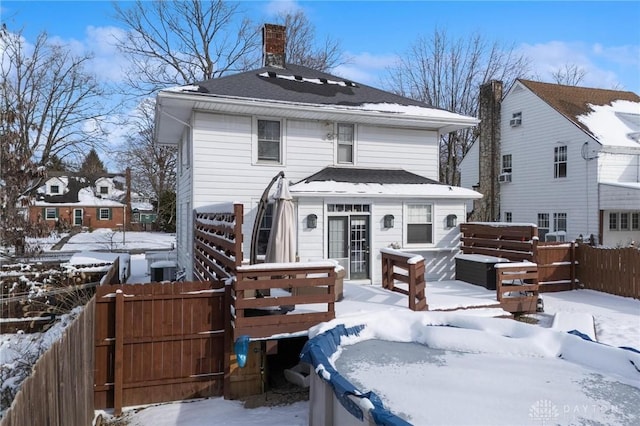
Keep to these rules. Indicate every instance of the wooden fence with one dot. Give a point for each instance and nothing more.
(403, 267)
(614, 271)
(158, 342)
(517, 286)
(59, 391)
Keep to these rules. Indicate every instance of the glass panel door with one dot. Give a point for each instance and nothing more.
(77, 217)
(359, 244)
(338, 240)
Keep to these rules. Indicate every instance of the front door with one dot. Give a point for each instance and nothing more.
(348, 238)
(77, 217)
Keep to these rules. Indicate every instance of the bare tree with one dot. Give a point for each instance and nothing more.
(46, 99)
(447, 73)
(182, 42)
(569, 75)
(153, 167)
(301, 43)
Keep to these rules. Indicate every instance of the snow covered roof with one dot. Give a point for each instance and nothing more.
(612, 117)
(80, 192)
(381, 183)
(629, 185)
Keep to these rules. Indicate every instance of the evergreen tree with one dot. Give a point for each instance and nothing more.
(92, 167)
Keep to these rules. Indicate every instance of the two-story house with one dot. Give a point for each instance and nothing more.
(565, 158)
(65, 200)
(362, 162)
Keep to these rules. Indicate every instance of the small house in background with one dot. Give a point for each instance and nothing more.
(65, 201)
(143, 212)
(564, 158)
(363, 163)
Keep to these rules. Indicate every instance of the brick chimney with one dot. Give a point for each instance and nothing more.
(273, 43)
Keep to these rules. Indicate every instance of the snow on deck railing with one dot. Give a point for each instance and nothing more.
(286, 265)
(412, 258)
(217, 208)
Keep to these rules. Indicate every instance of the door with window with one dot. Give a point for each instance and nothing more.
(348, 238)
(77, 217)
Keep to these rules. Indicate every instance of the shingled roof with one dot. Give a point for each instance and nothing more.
(573, 101)
(360, 175)
(296, 83)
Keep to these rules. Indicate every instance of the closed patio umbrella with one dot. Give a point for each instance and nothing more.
(281, 246)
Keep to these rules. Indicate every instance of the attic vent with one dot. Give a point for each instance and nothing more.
(324, 80)
(349, 83)
(298, 77)
(271, 74)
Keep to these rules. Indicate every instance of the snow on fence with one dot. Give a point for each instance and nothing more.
(409, 269)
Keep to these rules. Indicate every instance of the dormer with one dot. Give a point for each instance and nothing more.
(104, 187)
(56, 186)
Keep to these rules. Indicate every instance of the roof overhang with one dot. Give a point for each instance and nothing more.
(376, 190)
(174, 109)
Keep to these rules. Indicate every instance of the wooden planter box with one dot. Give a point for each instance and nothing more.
(340, 274)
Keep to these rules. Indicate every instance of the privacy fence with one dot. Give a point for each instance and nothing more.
(613, 271)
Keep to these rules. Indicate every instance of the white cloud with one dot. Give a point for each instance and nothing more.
(276, 7)
(365, 67)
(605, 67)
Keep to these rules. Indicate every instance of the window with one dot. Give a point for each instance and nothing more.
(624, 221)
(345, 143)
(506, 163)
(543, 225)
(269, 141)
(264, 230)
(104, 190)
(516, 119)
(613, 221)
(51, 213)
(419, 224)
(635, 221)
(508, 217)
(55, 189)
(560, 162)
(560, 222)
(104, 214)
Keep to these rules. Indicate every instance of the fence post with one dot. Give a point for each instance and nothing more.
(572, 258)
(118, 354)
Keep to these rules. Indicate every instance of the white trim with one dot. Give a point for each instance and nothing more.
(254, 141)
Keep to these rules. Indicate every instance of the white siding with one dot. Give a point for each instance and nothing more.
(470, 170)
(618, 167)
(533, 188)
(184, 205)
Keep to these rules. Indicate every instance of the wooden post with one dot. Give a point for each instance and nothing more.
(118, 354)
(572, 258)
(228, 342)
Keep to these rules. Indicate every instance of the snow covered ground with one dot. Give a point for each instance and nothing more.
(614, 320)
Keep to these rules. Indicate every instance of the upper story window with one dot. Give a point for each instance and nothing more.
(345, 143)
(419, 224)
(516, 119)
(104, 190)
(54, 189)
(269, 141)
(506, 163)
(560, 161)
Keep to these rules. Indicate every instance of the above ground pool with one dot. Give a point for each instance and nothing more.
(398, 368)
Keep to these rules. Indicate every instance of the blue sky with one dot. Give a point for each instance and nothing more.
(601, 37)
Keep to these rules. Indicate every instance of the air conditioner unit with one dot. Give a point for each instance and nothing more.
(559, 236)
(504, 177)
(515, 122)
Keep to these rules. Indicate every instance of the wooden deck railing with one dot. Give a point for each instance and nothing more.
(260, 295)
(408, 269)
(517, 286)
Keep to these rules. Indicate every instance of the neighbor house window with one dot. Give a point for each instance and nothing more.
(345, 143)
(55, 189)
(613, 221)
(624, 221)
(506, 163)
(51, 213)
(560, 162)
(419, 224)
(104, 190)
(269, 141)
(560, 222)
(264, 230)
(635, 221)
(104, 214)
(508, 217)
(543, 225)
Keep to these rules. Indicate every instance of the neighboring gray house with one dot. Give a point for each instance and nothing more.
(566, 158)
(354, 155)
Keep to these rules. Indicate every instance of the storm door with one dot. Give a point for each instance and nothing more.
(348, 238)
(77, 217)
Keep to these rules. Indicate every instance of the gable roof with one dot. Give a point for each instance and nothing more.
(371, 183)
(297, 92)
(578, 103)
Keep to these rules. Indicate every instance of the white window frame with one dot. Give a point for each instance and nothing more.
(256, 135)
(625, 223)
(57, 191)
(49, 216)
(543, 219)
(560, 157)
(343, 142)
(429, 221)
(508, 216)
(635, 221)
(103, 190)
(557, 219)
(615, 223)
(100, 214)
(507, 163)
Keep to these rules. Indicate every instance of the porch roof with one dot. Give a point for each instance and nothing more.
(378, 183)
(619, 195)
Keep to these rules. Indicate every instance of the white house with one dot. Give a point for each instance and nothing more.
(354, 155)
(569, 161)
